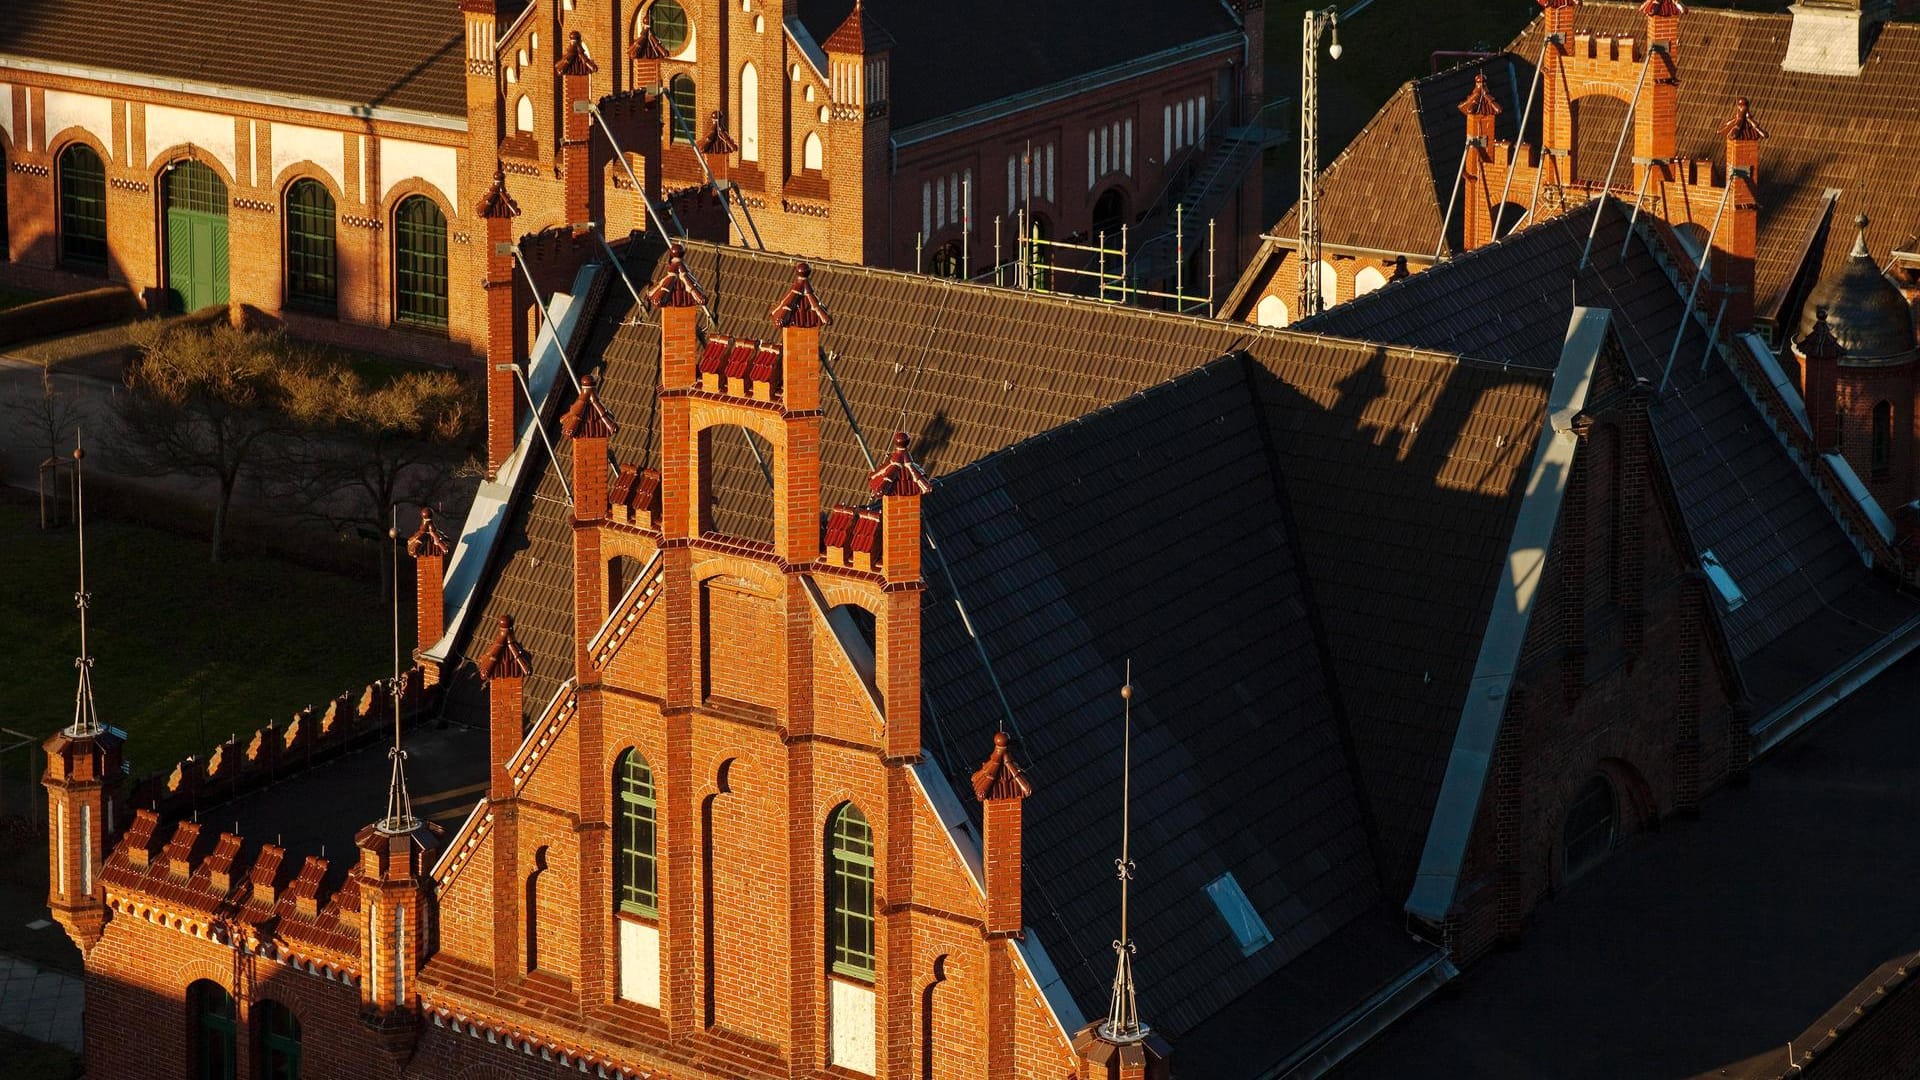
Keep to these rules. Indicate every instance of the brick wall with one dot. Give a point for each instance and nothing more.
(1858, 391)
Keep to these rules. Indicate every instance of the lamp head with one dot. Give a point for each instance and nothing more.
(1333, 50)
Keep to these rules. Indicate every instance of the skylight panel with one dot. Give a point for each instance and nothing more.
(1722, 580)
(1249, 929)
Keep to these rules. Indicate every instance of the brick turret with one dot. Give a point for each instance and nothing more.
(395, 881)
(82, 781)
(860, 78)
(428, 547)
(1820, 357)
(1738, 240)
(503, 323)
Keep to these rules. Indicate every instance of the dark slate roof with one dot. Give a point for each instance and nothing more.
(1728, 935)
(950, 57)
(409, 57)
(1740, 493)
(1857, 135)
(1401, 472)
(1150, 531)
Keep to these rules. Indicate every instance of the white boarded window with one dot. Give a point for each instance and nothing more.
(749, 113)
(926, 208)
(1093, 177)
(940, 204)
(1166, 134)
(1129, 155)
(1013, 192)
(1103, 152)
(1203, 120)
(1049, 172)
(966, 199)
(1249, 929)
(523, 114)
(812, 152)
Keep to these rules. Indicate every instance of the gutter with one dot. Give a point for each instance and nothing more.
(244, 95)
(1347, 1035)
(1292, 243)
(1061, 91)
(1782, 724)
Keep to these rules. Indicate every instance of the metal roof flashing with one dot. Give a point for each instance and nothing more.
(1438, 877)
(492, 504)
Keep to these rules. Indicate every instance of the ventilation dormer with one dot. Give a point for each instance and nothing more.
(1833, 37)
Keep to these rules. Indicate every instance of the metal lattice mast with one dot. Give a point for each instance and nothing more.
(1313, 23)
(86, 718)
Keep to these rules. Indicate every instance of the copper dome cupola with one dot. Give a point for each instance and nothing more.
(1866, 313)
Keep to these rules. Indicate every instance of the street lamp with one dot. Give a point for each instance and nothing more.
(1324, 20)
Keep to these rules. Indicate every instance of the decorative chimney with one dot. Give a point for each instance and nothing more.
(429, 550)
(718, 148)
(647, 55)
(505, 667)
(503, 353)
(800, 315)
(576, 70)
(899, 483)
(679, 299)
(1820, 357)
(1833, 37)
(1739, 240)
(1481, 112)
(1002, 786)
(589, 425)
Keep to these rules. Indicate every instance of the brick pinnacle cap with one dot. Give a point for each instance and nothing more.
(648, 47)
(575, 60)
(676, 287)
(898, 475)
(504, 659)
(496, 203)
(718, 141)
(1819, 343)
(588, 418)
(1742, 127)
(429, 541)
(1480, 103)
(1556, 5)
(1001, 777)
(859, 34)
(1663, 9)
(800, 308)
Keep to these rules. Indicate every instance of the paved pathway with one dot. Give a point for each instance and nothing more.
(41, 1004)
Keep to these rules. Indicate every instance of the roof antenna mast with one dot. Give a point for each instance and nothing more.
(399, 817)
(1316, 21)
(86, 719)
(1123, 1017)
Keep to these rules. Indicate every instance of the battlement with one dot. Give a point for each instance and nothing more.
(1607, 47)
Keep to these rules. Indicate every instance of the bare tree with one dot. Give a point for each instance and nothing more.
(52, 416)
(202, 403)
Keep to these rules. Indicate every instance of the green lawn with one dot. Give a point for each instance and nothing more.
(187, 652)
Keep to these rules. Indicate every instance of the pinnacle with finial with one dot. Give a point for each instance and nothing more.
(399, 819)
(1123, 1015)
(86, 717)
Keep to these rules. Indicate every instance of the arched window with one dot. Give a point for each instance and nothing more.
(1588, 834)
(636, 872)
(948, 262)
(850, 893)
(749, 113)
(213, 1031)
(1109, 213)
(813, 153)
(523, 114)
(680, 92)
(531, 914)
(83, 208)
(670, 25)
(1367, 280)
(312, 258)
(279, 1032)
(420, 264)
(1271, 312)
(1882, 462)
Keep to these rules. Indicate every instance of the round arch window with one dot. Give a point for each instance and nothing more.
(1590, 828)
(671, 26)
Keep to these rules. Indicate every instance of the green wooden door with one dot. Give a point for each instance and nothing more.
(196, 237)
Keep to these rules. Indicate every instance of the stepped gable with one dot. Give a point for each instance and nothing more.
(1381, 453)
(312, 49)
(1740, 494)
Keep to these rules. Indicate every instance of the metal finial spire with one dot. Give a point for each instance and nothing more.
(399, 817)
(86, 719)
(1123, 1017)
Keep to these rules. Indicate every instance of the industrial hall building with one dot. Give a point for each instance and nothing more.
(287, 157)
(766, 717)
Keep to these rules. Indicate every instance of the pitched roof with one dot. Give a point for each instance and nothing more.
(317, 49)
(1399, 473)
(950, 57)
(1854, 134)
(1741, 495)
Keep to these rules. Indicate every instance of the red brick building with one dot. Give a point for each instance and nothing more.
(283, 157)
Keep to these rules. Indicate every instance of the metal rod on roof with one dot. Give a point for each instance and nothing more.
(833, 380)
(566, 362)
(966, 226)
(654, 214)
(1619, 146)
(1713, 335)
(1633, 220)
(996, 249)
(1700, 273)
(1447, 221)
(1540, 173)
(639, 305)
(1179, 256)
(1513, 151)
(520, 377)
(919, 247)
(726, 205)
(1212, 256)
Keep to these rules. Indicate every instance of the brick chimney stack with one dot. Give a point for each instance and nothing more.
(1739, 239)
(900, 483)
(718, 148)
(647, 55)
(503, 330)
(576, 70)
(1002, 786)
(504, 666)
(428, 547)
(799, 315)
(1820, 355)
(679, 299)
(1481, 112)
(589, 425)
(1656, 122)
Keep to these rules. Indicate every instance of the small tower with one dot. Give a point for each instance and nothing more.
(1120, 1047)
(1820, 355)
(428, 547)
(860, 78)
(589, 425)
(503, 323)
(899, 483)
(718, 148)
(82, 782)
(576, 70)
(1482, 112)
(1738, 240)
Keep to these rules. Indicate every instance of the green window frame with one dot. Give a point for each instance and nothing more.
(850, 893)
(419, 264)
(279, 1041)
(313, 267)
(83, 208)
(682, 91)
(191, 185)
(669, 22)
(637, 872)
(214, 1028)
